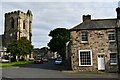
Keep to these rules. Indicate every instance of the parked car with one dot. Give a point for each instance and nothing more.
(45, 59)
(5, 59)
(58, 61)
(38, 61)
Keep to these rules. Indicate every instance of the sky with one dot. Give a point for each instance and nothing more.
(51, 14)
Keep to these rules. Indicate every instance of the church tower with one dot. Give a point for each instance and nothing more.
(17, 24)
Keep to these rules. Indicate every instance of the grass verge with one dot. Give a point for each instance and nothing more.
(15, 63)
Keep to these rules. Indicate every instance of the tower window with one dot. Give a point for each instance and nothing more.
(30, 23)
(24, 24)
(12, 22)
(17, 21)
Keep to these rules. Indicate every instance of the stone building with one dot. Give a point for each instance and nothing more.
(17, 24)
(1, 45)
(95, 44)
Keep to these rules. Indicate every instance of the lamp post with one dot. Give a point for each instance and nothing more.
(10, 53)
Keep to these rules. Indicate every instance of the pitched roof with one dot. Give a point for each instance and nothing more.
(96, 24)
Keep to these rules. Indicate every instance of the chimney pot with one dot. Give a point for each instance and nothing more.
(118, 12)
(86, 18)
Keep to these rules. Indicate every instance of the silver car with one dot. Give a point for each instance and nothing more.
(58, 61)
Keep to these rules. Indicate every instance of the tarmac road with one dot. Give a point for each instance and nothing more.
(46, 70)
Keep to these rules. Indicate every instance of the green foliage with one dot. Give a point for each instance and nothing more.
(20, 47)
(58, 42)
(44, 49)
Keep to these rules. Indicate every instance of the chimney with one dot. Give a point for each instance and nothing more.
(118, 12)
(86, 18)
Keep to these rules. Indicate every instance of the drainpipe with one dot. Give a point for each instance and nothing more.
(118, 52)
(117, 35)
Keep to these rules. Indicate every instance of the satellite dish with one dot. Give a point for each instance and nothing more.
(119, 4)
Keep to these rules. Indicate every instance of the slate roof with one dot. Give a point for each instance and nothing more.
(96, 24)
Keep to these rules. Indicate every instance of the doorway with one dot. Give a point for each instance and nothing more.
(101, 64)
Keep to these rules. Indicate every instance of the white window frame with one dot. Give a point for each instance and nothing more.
(90, 57)
(84, 41)
(116, 59)
(114, 36)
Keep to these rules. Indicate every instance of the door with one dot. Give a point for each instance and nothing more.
(101, 65)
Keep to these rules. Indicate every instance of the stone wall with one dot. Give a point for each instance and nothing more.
(98, 43)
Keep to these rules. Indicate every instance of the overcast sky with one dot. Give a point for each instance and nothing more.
(50, 15)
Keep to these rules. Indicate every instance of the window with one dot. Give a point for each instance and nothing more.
(113, 58)
(111, 36)
(12, 22)
(30, 23)
(30, 26)
(84, 36)
(85, 57)
(24, 24)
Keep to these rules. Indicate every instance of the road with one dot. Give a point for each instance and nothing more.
(47, 70)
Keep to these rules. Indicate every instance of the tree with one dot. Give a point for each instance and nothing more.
(58, 42)
(21, 47)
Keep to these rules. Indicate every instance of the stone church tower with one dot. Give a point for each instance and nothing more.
(17, 24)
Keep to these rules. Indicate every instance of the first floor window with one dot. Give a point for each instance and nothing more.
(113, 58)
(85, 58)
(84, 36)
(111, 36)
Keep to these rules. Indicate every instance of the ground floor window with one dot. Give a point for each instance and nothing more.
(85, 57)
(113, 58)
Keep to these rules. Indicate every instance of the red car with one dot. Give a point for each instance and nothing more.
(38, 61)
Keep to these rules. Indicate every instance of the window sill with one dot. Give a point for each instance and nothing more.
(85, 65)
(113, 63)
(111, 40)
(84, 41)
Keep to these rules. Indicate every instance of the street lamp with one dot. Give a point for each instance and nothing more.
(10, 53)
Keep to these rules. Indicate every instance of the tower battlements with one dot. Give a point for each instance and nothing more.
(28, 13)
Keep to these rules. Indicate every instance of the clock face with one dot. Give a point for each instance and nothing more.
(11, 34)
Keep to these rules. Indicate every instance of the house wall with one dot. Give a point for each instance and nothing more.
(1, 47)
(68, 54)
(98, 43)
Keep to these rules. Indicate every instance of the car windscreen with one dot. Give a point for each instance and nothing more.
(59, 59)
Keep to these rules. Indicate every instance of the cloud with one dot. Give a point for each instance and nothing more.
(50, 15)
